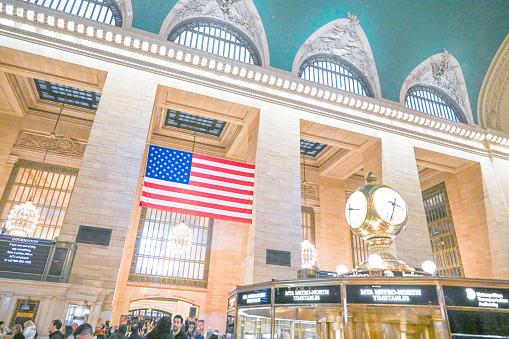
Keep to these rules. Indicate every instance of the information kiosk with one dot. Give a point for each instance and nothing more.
(382, 298)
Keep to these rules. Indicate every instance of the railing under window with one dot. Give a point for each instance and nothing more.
(215, 38)
(442, 232)
(153, 262)
(105, 11)
(332, 72)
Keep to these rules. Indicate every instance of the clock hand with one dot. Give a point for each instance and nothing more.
(393, 208)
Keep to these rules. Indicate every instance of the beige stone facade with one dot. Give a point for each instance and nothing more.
(267, 113)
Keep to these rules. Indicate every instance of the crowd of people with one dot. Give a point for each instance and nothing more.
(164, 328)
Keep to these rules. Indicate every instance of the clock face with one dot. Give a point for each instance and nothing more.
(356, 209)
(390, 206)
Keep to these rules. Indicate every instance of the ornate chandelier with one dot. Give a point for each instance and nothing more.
(22, 219)
(309, 254)
(180, 239)
(308, 250)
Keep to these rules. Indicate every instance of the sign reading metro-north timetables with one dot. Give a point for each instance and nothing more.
(307, 295)
(392, 294)
(481, 297)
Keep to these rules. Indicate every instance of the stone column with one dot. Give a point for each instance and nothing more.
(9, 130)
(393, 162)
(105, 187)
(274, 145)
(6, 307)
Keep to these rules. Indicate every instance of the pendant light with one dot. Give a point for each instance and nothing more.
(308, 250)
(181, 236)
(23, 218)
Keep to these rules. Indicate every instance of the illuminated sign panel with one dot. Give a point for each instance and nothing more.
(253, 298)
(392, 294)
(23, 254)
(231, 302)
(307, 295)
(476, 297)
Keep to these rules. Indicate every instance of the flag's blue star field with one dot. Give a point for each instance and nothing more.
(168, 164)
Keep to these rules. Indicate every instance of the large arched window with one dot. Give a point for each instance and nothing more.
(334, 72)
(216, 38)
(105, 11)
(432, 101)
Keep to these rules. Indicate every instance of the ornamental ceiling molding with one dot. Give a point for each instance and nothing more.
(241, 14)
(441, 71)
(343, 38)
(495, 84)
(59, 144)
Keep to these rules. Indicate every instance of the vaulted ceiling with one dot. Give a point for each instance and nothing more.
(401, 33)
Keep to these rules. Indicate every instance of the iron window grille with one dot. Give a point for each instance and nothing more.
(194, 123)
(428, 100)
(105, 11)
(52, 194)
(335, 72)
(358, 245)
(442, 233)
(216, 38)
(67, 95)
(153, 262)
(311, 148)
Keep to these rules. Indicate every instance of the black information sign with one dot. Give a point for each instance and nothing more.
(392, 294)
(307, 295)
(476, 297)
(23, 254)
(252, 298)
(231, 302)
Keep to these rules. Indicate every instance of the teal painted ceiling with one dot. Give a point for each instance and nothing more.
(402, 33)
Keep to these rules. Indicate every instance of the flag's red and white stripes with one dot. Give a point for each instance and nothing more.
(218, 188)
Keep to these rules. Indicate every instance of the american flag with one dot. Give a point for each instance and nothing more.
(195, 184)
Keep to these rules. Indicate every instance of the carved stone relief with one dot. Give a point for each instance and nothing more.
(241, 14)
(343, 38)
(494, 87)
(58, 144)
(441, 71)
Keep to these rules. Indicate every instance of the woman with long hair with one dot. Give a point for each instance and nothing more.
(17, 332)
(162, 330)
(68, 332)
(30, 330)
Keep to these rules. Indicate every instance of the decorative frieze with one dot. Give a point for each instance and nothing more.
(55, 144)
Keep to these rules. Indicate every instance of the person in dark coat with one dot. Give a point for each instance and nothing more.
(162, 330)
(54, 330)
(178, 328)
(68, 332)
(17, 332)
(134, 332)
(120, 333)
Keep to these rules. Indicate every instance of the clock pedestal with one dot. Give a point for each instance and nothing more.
(382, 247)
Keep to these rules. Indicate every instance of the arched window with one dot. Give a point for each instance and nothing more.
(433, 101)
(105, 11)
(334, 72)
(215, 38)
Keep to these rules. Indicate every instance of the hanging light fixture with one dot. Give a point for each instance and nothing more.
(181, 236)
(308, 250)
(23, 218)
(180, 239)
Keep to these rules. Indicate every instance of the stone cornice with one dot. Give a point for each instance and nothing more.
(140, 51)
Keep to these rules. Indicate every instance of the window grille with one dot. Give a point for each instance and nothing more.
(153, 261)
(67, 95)
(215, 38)
(105, 11)
(311, 148)
(335, 73)
(442, 233)
(194, 123)
(358, 245)
(427, 100)
(51, 186)
(309, 214)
